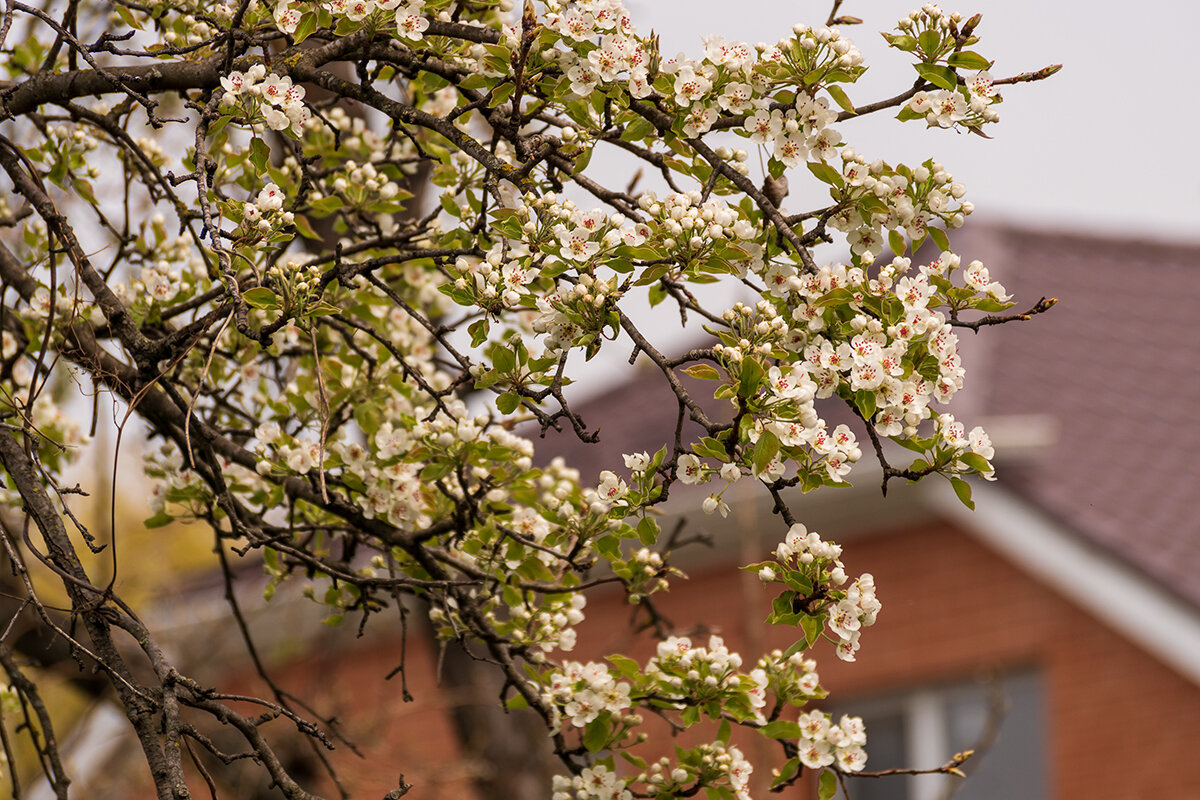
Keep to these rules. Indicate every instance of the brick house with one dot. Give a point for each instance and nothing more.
(1056, 629)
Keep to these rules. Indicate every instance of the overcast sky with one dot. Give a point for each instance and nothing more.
(1108, 144)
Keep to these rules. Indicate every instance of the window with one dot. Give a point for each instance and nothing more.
(1002, 719)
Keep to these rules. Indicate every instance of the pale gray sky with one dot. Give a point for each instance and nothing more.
(1108, 144)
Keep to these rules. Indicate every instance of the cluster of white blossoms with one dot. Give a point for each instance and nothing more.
(541, 268)
(857, 610)
(498, 279)
(793, 677)
(161, 282)
(259, 96)
(822, 743)
(732, 77)
(170, 268)
(573, 311)
(70, 144)
(264, 215)
(582, 692)
(902, 199)
(945, 108)
(953, 434)
(969, 104)
(797, 135)
(576, 235)
(712, 764)
(693, 223)
(361, 185)
(806, 552)
(408, 14)
(701, 675)
(297, 288)
(550, 627)
(881, 358)
(596, 782)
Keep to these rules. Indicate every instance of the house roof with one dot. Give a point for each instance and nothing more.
(1114, 368)
(1117, 364)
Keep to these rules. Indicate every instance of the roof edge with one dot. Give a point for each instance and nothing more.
(1148, 614)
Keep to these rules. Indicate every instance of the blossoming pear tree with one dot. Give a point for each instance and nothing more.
(332, 252)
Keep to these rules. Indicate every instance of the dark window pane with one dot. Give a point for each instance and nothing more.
(885, 750)
(1015, 763)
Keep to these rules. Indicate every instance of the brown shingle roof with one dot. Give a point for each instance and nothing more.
(1117, 363)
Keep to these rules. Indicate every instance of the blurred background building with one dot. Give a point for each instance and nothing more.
(1055, 629)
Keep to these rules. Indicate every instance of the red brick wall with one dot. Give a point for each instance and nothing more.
(1120, 725)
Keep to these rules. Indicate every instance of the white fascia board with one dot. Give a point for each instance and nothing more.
(1120, 596)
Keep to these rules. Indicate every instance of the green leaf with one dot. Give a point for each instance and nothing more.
(812, 627)
(308, 24)
(901, 42)
(474, 81)
(709, 447)
(657, 294)
(976, 462)
(637, 761)
(261, 297)
(751, 377)
(765, 449)
(704, 372)
(864, 401)
(305, 228)
(515, 702)
(896, 242)
(438, 469)
(786, 772)
(260, 153)
(479, 331)
(508, 402)
(449, 206)
(826, 174)
(128, 17)
(963, 490)
(929, 42)
(795, 647)
(648, 530)
(990, 304)
(85, 190)
(827, 786)
(368, 417)
(501, 94)
(161, 518)
(781, 729)
(595, 736)
(326, 205)
(504, 360)
(322, 309)
(624, 664)
(608, 546)
(939, 76)
(939, 238)
(217, 126)
(968, 59)
(839, 96)
(638, 129)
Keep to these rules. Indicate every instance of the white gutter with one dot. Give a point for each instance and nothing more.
(1128, 601)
